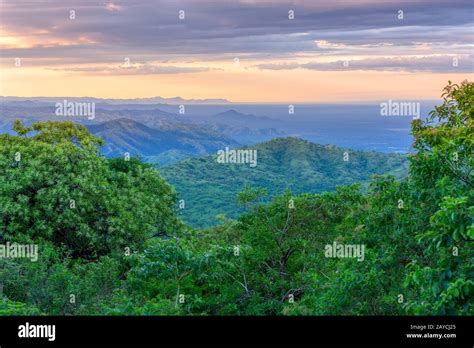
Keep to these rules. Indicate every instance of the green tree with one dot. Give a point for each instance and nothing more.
(56, 187)
(442, 170)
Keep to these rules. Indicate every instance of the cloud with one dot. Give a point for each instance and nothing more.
(212, 29)
(113, 7)
(439, 64)
(139, 69)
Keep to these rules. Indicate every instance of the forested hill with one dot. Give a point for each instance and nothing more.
(209, 188)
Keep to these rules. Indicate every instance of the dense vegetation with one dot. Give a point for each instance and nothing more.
(110, 241)
(282, 164)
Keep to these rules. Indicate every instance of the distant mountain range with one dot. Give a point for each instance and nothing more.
(146, 131)
(166, 144)
(150, 100)
(246, 135)
(285, 163)
(245, 128)
(235, 116)
(351, 126)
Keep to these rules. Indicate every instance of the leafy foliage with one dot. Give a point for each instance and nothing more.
(56, 187)
(416, 232)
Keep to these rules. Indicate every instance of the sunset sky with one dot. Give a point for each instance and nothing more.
(243, 51)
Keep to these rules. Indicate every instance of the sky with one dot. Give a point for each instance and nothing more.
(240, 50)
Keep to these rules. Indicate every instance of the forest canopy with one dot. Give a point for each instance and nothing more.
(110, 239)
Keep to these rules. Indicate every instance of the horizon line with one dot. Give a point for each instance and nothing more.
(199, 101)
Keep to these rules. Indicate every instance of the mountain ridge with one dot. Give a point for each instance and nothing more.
(146, 100)
(126, 135)
(283, 163)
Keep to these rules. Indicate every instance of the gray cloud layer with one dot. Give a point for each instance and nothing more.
(419, 64)
(149, 30)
